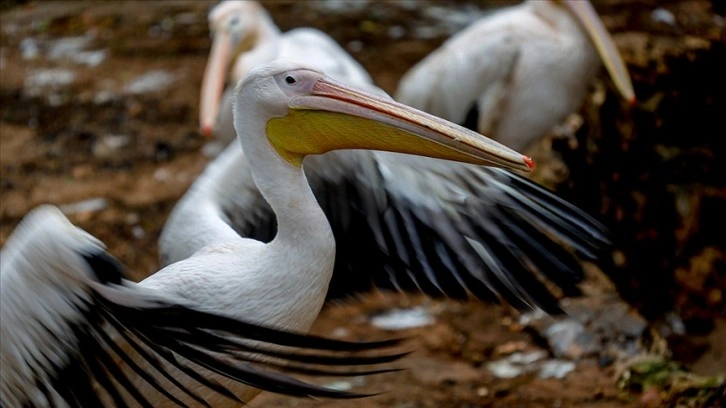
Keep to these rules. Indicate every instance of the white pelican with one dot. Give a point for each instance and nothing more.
(446, 228)
(417, 223)
(515, 74)
(56, 290)
(245, 36)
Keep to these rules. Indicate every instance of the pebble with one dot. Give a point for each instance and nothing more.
(570, 339)
(516, 364)
(68, 46)
(138, 232)
(396, 32)
(29, 48)
(85, 206)
(38, 80)
(109, 145)
(340, 332)
(597, 326)
(152, 81)
(90, 58)
(661, 15)
(400, 319)
(556, 369)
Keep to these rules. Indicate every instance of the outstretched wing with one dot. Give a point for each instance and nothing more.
(76, 333)
(451, 229)
(412, 223)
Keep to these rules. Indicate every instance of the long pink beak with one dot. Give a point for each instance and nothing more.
(588, 18)
(213, 81)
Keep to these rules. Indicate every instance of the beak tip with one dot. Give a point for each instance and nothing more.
(529, 162)
(632, 101)
(206, 131)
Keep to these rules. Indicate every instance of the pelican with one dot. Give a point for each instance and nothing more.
(245, 36)
(55, 291)
(403, 222)
(515, 74)
(399, 221)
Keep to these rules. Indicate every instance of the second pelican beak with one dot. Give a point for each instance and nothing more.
(588, 18)
(213, 81)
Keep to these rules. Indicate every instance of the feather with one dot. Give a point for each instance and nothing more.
(122, 339)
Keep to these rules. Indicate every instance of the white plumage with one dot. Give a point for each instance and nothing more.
(518, 72)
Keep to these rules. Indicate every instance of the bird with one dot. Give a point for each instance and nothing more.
(244, 36)
(400, 222)
(60, 293)
(408, 223)
(516, 73)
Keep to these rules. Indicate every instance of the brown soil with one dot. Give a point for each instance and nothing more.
(52, 151)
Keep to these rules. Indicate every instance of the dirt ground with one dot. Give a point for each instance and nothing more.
(97, 136)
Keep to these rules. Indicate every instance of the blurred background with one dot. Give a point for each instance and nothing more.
(99, 114)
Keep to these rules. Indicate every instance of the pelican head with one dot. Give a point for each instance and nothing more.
(234, 26)
(237, 18)
(305, 112)
(587, 17)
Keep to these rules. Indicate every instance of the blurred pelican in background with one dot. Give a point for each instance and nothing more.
(245, 36)
(518, 72)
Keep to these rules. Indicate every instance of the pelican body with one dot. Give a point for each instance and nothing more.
(404, 222)
(283, 112)
(516, 73)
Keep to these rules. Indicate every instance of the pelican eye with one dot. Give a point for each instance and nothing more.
(290, 79)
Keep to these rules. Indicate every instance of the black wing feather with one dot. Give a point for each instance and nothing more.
(164, 334)
(155, 362)
(491, 233)
(148, 377)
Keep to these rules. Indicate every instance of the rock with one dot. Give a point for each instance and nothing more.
(400, 319)
(152, 81)
(556, 369)
(40, 80)
(517, 364)
(29, 48)
(570, 339)
(600, 326)
(661, 15)
(109, 145)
